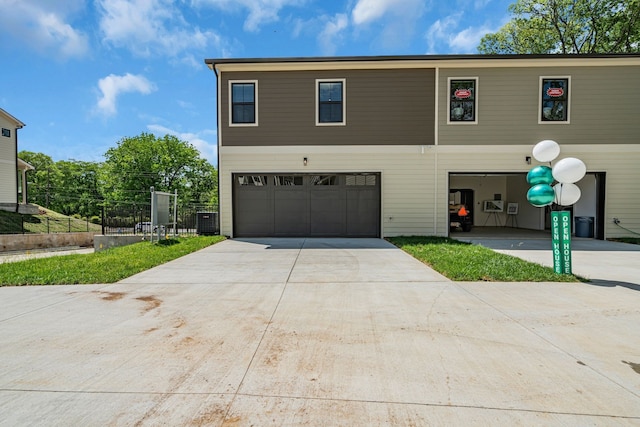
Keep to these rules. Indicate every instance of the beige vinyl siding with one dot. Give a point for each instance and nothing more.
(407, 178)
(603, 107)
(383, 107)
(8, 167)
(415, 193)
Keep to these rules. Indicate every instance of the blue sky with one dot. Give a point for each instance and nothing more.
(83, 74)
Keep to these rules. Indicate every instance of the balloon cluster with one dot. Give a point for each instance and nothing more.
(566, 172)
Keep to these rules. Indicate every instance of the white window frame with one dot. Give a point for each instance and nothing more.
(231, 83)
(344, 102)
(539, 113)
(476, 104)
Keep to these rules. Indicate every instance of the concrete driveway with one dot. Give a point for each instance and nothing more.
(317, 332)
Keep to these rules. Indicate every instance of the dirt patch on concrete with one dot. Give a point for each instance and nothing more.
(152, 302)
(111, 296)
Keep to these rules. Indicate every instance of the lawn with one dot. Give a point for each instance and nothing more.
(47, 222)
(463, 261)
(107, 266)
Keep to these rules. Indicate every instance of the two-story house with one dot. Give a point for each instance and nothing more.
(13, 181)
(384, 146)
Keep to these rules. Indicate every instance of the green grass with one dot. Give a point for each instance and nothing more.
(632, 240)
(47, 222)
(462, 261)
(106, 266)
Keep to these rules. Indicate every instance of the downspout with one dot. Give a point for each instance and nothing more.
(15, 132)
(215, 71)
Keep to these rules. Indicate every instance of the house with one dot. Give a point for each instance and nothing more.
(383, 146)
(13, 182)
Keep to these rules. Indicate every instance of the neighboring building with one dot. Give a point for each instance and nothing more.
(13, 184)
(383, 146)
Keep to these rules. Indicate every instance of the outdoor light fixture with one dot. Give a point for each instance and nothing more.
(304, 161)
(528, 160)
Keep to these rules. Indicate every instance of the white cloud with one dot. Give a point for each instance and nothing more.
(398, 19)
(467, 40)
(332, 33)
(260, 11)
(112, 86)
(445, 32)
(207, 150)
(148, 27)
(43, 26)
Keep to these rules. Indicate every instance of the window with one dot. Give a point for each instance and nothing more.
(330, 102)
(361, 180)
(324, 180)
(252, 180)
(287, 180)
(462, 100)
(554, 99)
(243, 104)
(6, 132)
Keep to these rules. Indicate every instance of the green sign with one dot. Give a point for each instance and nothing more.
(561, 241)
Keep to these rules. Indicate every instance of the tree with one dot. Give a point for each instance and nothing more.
(42, 180)
(568, 27)
(166, 163)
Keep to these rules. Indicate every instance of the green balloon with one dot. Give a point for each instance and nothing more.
(540, 175)
(541, 195)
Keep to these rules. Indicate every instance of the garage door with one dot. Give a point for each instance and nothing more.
(317, 205)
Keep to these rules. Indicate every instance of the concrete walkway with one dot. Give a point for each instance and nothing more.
(603, 262)
(317, 332)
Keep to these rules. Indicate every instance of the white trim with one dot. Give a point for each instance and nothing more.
(400, 63)
(255, 88)
(539, 113)
(344, 102)
(475, 101)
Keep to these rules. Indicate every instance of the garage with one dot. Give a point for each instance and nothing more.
(300, 205)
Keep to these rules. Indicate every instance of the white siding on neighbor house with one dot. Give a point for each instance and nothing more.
(415, 180)
(8, 166)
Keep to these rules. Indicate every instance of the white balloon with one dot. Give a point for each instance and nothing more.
(546, 151)
(566, 194)
(569, 170)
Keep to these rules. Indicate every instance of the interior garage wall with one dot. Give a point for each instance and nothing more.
(528, 216)
(484, 188)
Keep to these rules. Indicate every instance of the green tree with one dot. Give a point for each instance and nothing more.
(77, 191)
(567, 26)
(43, 181)
(166, 163)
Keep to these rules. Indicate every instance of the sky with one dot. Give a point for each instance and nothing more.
(84, 74)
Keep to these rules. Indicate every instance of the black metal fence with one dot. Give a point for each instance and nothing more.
(134, 220)
(123, 220)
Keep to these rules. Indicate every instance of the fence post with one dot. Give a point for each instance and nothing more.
(69, 219)
(48, 229)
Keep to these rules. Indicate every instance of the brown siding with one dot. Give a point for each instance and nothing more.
(603, 108)
(383, 107)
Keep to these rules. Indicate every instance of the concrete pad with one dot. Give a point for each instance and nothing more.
(602, 261)
(203, 341)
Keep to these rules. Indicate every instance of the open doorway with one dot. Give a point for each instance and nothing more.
(476, 189)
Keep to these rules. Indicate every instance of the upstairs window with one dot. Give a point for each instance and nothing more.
(6, 132)
(330, 102)
(554, 99)
(243, 108)
(463, 100)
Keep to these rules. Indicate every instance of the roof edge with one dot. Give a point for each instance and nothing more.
(10, 117)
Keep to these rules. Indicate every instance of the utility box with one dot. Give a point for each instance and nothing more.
(207, 223)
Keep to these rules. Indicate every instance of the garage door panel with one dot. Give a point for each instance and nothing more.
(335, 205)
(328, 212)
(291, 212)
(363, 207)
(253, 213)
